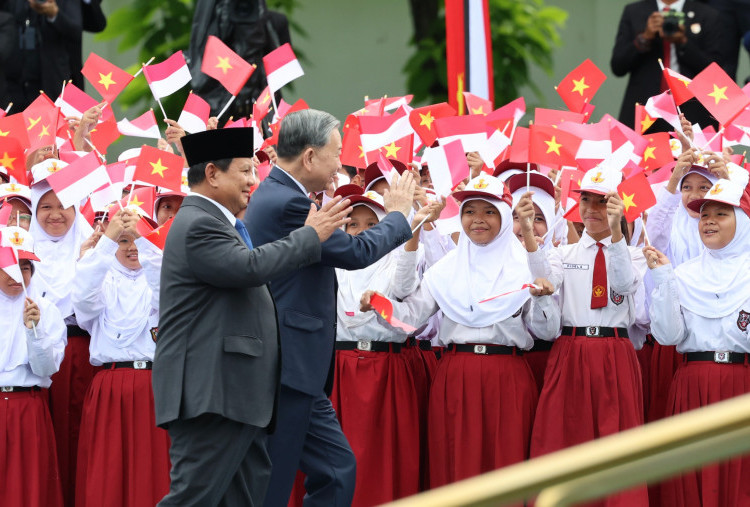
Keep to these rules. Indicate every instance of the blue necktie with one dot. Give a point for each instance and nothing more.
(243, 233)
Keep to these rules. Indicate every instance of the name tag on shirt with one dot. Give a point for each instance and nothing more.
(575, 266)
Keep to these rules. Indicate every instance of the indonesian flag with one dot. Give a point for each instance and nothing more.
(551, 146)
(143, 126)
(159, 168)
(384, 307)
(262, 105)
(391, 103)
(580, 85)
(718, 93)
(281, 67)
(74, 101)
(167, 77)
(377, 131)
(224, 65)
(13, 159)
(495, 146)
(468, 51)
(285, 108)
(662, 106)
(422, 120)
(104, 134)
(477, 105)
(74, 182)
(570, 179)
(596, 144)
(108, 79)
(5, 209)
(679, 86)
(195, 114)
(14, 127)
(643, 119)
(448, 166)
(555, 118)
(119, 176)
(9, 263)
(471, 130)
(636, 195)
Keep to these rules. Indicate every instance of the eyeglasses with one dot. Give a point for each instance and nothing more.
(22, 218)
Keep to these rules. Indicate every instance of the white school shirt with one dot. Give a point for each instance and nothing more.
(29, 360)
(96, 276)
(570, 268)
(660, 220)
(538, 314)
(674, 325)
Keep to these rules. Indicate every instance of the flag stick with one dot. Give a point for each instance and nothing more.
(130, 194)
(7, 109)
(554, 224)
(63, 88)
(708, 144)
(528, 177)
(645, 231)
(420, 224)
(143, 65)
(557, 177)
(273, 101)
(23, 284)
(158, 101)
(661, 64)
(224, 109)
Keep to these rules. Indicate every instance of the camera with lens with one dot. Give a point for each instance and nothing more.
(672, 22)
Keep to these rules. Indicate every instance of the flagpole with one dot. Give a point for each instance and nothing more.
(63, 87)
(708, 144)
(273, 101)
(143, 65)
(528, 177)
(554, 224)
(224, 109)
(645, 231)
(7, 109)
(158, 101)
(23, 284)
(661, 64)
(420, 224)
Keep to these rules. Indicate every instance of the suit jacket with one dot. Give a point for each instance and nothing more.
(701, 49)
(306, 298)
(218, 349)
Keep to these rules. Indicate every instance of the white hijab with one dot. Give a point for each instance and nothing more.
(546, 203)
(58, 255)
(471, 273)
(685, 239)
(715, 283)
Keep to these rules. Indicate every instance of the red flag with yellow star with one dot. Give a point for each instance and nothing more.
(262, 105)
(643, 121)
(422, 120)
(637, 195)
(401, 150)
(580, 85)
(352, 153)
(159, 168)
(476, 104)
(104, 134)
(13, 159)
(14, 127)
(657, 153)
(678, 84)
(384, 307)
(144, 198)
(41, 126)
(552, 146)
(158, 235)
(108, 79)
(718, 93)
(224, 65)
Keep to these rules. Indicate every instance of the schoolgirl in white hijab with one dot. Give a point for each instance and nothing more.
(483, 396)
(32, 340)
(703, 307)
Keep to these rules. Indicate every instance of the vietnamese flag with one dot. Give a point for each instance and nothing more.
(519, 147)
(643, 119)
(574, 214)
(12, 157)
(14, 127)
(384, 307)
(224, 65)
(401, 150)
(678, 84)
(554, 118)
(580, 85)
(158, 236)
(552, 146)
(636, 195)
(657, 152)
(159, 168)
(476, 104)
(144, 198)
(718, 93)
(108, 79)
(104, 134)
(262, 105)
(570, 180)
(41, 126)
(422, 120)
(352, 153)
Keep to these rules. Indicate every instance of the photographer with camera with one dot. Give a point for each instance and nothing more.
(686, 35)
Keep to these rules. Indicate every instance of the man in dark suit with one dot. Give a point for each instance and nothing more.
(216, 367)
(640, 43)
(308, 435)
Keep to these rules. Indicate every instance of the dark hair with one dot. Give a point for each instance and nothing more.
(350, 170)
(197, 173)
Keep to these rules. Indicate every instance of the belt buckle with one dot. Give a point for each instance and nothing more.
(721, 357)
(592, 331)
(6, 389)
(480, 349)
(365, 345)
(140, 365)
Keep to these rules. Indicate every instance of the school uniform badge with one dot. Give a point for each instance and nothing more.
(615, 297)
(743, 320)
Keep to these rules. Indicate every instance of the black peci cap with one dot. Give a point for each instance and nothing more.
(218, 144)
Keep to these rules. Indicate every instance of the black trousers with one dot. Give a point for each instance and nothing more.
(217, 462)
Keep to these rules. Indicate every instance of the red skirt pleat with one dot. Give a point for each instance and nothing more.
(481, 412)
(664, 363)
(422, 368)
(592, 389)
(537, 360)
(66, 395)
(29, 475)
(123, 458)
(645, 356)
(376, 402)
(697, 384)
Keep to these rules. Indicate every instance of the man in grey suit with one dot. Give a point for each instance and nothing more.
(217, 366)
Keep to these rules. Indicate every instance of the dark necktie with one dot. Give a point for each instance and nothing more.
(243, 233)
(599, 284)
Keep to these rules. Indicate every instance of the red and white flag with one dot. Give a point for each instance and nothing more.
(143, 126)
(377, 131)
(167, 77)
(448, 166)
(195, 114)
(663, 106)
(281, 67)
(9, 262)
(77, 180)
(74, 101)
(471, 130)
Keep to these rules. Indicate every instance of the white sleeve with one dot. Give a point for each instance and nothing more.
(91, 270)
(659, 223)
(415, 309)
(405, 276)
(548, 265)
(667, 322)
(621, 275)
(47, 347)
(542, 317)
(150, 258)
(538, 264)
(436, 245)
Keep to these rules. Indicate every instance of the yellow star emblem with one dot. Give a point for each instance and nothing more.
(44, 131)
(361, 152)
(265, 98)
(580, 86)
(684, 81)
(7, 161)
(4, 134)
(223, 64)
(553, 146)
(106, 80)
(719, 94)
(158, 168)
(33, 122)
(135, 202)
(426, 120)
(391, 151)
(649, 153)
(627, 201)
(479, 110)
(646, 123)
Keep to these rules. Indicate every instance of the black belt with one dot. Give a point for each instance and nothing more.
(19, 389)
(422, 344)
(541, 345)
(718, 357)
(135, 365)
(595, 331)
(369, 346)
(485, 350)
(77, 331)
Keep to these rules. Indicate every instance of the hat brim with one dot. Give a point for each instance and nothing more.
(29, 256)
(361, 199)
(589, 190)
(535, 180)
(697, 204)
(465, 194)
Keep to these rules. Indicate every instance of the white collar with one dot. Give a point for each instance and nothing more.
(300, 185)
(232, 219)
(677, 6)
(587, 241)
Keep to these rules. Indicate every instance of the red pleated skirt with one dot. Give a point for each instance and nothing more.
(375, 398)
(645, 356)
(592, 388)
(697, 384)
(664, 363)
(537, 358)
(66, 395)
(29, 475)
(481, 411)
(123, 458)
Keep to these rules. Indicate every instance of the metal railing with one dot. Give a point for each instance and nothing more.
(602, 467)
